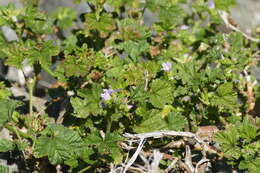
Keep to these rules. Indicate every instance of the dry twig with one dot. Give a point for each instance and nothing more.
(225, 18)
(188, 158)
(188, 166)
(154, 167)
(133, 158)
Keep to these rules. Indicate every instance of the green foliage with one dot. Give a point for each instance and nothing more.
(6, 145)
(224, 4)
(7, 108)
(4, 169)
(240, 145)
(225, 97)
(65, 17)
(115, 74)
(102, 23)
(171, 16)
(106, 145)
(90, 105)
(4, 91)
(160, 93)
(176, 121)
(152, 122)
(59, 144)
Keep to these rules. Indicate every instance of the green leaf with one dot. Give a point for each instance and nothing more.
(171, 16)
(130, 29)
(228, 140)
(153, 121)
(155, 5)
(37, 21)
(247, 130)
(7, 108)
(106, 145)
(4, 169)
(59, 144)
(139, 94)
(251, 165)
(4, 91)
(188, 73)
(116, 72)
(93, 138)
(224, 4)
(104, 23)
(40, 52)
(7, 12)
(152, 68)
(21, 145)
(133, 75)
(65, 17)
(111, 144)
(80, 64)
(160, 93)
(6, 145)
(236, 40)
(70, 44)
(72, 163)
(176, 121)
(15, 55)
(86, 153)
(90, 104)
(225, 97)
(119, 3)
(134, 49)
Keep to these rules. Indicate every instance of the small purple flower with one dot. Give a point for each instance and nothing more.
(130, 106)
(211, 4)
(106, 95)
(166, 66)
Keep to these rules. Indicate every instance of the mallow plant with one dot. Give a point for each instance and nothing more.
(116, 73)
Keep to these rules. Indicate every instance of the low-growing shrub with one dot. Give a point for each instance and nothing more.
(117, 72)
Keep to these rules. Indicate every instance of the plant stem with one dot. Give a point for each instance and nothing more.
(109, 122)
(31, 83)
(84, 169)
(18, 132)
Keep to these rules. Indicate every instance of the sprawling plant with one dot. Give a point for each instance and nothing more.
(116, 72)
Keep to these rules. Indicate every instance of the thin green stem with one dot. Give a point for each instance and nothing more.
(109, 123)
(84, 169)
(18, 132)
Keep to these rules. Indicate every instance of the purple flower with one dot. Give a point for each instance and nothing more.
(166, 66)
(211, 4)
(130, 106)
(106, 95)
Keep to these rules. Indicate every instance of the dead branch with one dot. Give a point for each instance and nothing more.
(225, 17)
(188, 158)
(157, 157)
(159, 134)
(133, 158)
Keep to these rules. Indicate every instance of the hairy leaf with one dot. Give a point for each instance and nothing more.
(153, 121)
(228, 141)
(176, 121)
(160, 93)
(6, 145)
(4, 169)
(90, 104)
(7, 108)
(104, 23)
(106, 145)
(59, 144)
(225, 97)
